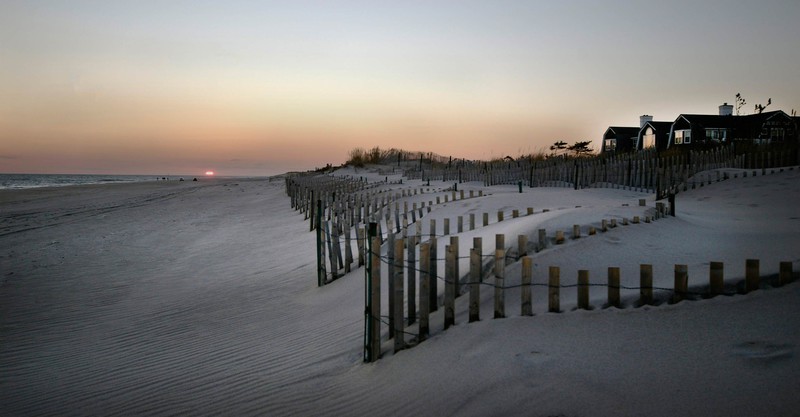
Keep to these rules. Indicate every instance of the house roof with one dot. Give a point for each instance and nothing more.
(623, 130)
(713, 120)
(659, 126)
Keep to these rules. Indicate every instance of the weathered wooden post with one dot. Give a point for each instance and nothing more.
(553, 286)
(500, 216)
(424, 290)
(397, 311)
(559, 237)
(361, 237)
(499, 283)
(583, 289)
(475, 270)
(515, 213)
(576, 231)
(645, 284)
(449, 287)
(321, 273)
(485, 219)
(412, 281)
(681, 283)
(716, 279)
(613, 287)
(456, 271)
(348, 250)
(390, 260)
(460, 226)
(375, 295)
(542, 240)
(433, 275)
(333, 246)
(447, 226)
(785, 274)
(527, 275)
(671, 199)
(472, 221)
(522, 246)
(752, 275)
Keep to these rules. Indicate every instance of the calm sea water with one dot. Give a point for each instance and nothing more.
(19, 181)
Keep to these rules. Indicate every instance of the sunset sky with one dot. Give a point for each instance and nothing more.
(260, 87)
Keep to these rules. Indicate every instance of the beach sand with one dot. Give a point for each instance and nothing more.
(165, 298)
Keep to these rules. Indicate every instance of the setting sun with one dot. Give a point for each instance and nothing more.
(209, 173)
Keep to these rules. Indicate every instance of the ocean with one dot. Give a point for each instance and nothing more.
(20, 181)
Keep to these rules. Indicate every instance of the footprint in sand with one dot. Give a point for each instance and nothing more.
(763, 351)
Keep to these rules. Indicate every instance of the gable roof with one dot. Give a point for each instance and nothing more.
(658, 126)
(660, 129)
(626, 131)
(713, 120)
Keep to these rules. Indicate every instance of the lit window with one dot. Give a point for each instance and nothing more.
(716, 135)
(649, 138)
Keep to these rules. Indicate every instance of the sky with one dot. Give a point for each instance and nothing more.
(259, 87)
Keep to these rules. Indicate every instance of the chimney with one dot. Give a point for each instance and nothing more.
(726, 109)
(643, 119)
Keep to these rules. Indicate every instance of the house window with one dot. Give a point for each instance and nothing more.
(683, 136)
(611, 144)
(649, 138)
(716, 135)
(777, 134)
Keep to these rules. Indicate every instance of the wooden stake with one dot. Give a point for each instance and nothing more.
(375, 299)
(752, 275)
(522, 246)
(475, 281)
(424, 289)
(527, 275)
(412, 281)
(499, 283)
(613, 287)
(785, 275)
(716, 278)
(583, 289)
(397, 311)
(646, 284)
(449, 287)
(681, 283)
(554, 285)
(433, 275)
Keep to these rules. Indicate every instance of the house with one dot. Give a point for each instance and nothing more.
(654, 135)
(760, 128)
(619, 139)
(690, 130)
(625, 139)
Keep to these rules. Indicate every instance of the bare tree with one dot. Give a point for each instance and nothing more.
(739, 103)
(760, 109)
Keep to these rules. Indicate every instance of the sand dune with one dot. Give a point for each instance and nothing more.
(201, 298)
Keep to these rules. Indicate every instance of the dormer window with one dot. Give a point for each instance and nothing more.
(649, 138)
(683, 136)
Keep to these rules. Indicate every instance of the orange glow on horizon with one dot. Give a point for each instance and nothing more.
(210, 173)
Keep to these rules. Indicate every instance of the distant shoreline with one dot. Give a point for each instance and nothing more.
(31, 181)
